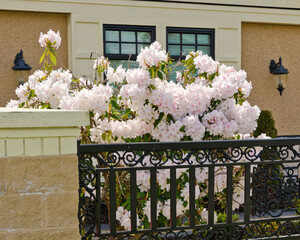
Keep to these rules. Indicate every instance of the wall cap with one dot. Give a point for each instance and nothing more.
(42, 118)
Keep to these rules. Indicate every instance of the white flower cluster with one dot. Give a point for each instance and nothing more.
(165, 110)
(95, 99)
(55, 87)
(49, 89)
(123, 216)
(204, 63)
(138, 76)
(204, 215)
(127, 129)
(152, 56)
(188, 105)
(51, 38)
(115, 76)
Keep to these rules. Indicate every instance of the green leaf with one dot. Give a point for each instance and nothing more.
(157, 121)
(127, 111)
(31, 94)
(152, 72)
(182, 129)
(116, 113)
(160, 75)
(114, 104)
(53, 58)
(21, 104)
(103, 136)
(152, 87)
(115, 117)
(43, 55)
(170, 118)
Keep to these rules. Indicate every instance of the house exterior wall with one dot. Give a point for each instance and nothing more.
(20, 30)
(86, 19)
(260, 44)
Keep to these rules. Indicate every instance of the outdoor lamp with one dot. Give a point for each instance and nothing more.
(280, 75)
(21, 68)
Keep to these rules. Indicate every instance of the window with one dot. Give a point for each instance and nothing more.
(122, 43)
(180, 41)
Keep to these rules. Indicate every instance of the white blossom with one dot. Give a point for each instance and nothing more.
(51, 37)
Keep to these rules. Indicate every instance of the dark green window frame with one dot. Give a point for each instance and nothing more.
(196, 31)
(122, 29)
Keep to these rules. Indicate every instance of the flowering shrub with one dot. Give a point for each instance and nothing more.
(207, 101)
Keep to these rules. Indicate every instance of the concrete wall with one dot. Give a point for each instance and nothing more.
(39, 174)
(260, 44)
(21, 30)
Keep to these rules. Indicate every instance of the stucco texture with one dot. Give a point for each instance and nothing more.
(21, 30)
(260, 44)
(39, 197)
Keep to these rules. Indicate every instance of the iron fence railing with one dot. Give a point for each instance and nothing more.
(270, 176)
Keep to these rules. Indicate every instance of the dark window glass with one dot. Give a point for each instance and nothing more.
(180, 41)
(125, 42)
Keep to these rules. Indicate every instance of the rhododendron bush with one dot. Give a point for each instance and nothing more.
(206, 101)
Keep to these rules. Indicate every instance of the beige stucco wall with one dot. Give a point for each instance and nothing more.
(260, 44)
(39, 197)
(21, 30)
(39, 173)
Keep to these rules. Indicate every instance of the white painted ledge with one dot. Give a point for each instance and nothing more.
(33, 132)
(22, 117)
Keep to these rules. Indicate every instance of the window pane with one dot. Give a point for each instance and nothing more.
(124, 63)
(128, 48)
(112, 35)
(188, 39)
(204, 49)
(142, 46)
(203, 39)
(144, 37)
(186, 49)
(112, 48)
(174, 50)
(127, 36)
(174, 38)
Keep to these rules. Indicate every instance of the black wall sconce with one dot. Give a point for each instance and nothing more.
(280, 74)
(21, 68)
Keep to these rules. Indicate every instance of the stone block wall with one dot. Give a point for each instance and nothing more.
(39, 175)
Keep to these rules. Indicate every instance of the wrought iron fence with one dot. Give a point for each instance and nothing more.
(270, 176)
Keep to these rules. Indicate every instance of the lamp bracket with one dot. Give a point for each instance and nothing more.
(277, 68)
(272, 66)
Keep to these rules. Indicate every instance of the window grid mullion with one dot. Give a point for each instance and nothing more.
(180, 44)
(120, 49)
(136, 44)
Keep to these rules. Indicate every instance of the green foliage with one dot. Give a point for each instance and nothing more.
(157, 121)
(266, 124)
(49, 51)
(222, 217)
